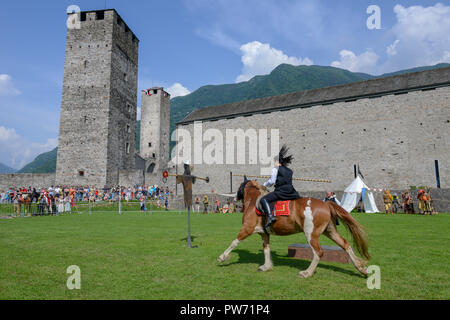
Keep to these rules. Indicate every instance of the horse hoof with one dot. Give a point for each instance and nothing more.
(364, 272)
(222, 258)
(304, 274)
(264, 269)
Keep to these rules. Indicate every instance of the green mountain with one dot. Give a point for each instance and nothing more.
(283, 79)
(43, 163)
(6, 169)
(440, 65)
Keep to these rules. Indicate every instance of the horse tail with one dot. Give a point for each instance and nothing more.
(357, 231)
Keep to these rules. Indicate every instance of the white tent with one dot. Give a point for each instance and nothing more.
(353, 193)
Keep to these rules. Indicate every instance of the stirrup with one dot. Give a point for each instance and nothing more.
(270, 220)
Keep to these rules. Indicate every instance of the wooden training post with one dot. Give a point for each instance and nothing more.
(330, 253)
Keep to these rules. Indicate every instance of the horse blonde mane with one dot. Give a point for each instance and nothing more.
(263, 190)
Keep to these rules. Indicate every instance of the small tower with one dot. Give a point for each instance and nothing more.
(155, 129)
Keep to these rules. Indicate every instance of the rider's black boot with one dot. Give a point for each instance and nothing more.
(266, 208)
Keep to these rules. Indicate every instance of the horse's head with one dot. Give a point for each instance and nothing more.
(240, 192)
(246, 186)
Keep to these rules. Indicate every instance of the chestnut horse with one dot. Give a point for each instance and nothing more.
(308, 215)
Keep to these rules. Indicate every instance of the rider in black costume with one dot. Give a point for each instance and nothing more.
(284, 190)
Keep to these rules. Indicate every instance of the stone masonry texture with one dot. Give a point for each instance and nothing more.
(98, 110)
(393, 138)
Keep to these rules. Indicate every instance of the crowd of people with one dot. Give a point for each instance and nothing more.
(392, 202)
(228, 207)
(54, 200)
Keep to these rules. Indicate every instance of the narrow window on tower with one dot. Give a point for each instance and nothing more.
(128, 148)
(129, 107)
(149, 144)
(125, 77)
(100, 15)
(128, 128)
(81, 173)
(85, 63)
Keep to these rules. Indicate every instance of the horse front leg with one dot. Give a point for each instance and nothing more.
(268, 265)
(226, 254)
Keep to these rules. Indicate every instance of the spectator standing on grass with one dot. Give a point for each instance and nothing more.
(11, 195)
(387, 199)
(53, 203)
(205, 204)
(60, 203)
(68, 204)
(421, 196)
(166, 204)
(231, 207)
(158, 203)
(395, 203)
(41, 205)
(16, 202)
(197, 203)
(34, 196)
(217, 205)
(142, 202)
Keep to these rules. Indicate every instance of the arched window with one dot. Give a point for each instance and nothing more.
(150, 168)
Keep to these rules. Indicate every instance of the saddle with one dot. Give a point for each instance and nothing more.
(281, 208)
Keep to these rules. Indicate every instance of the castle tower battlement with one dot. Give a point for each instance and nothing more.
(97, 134)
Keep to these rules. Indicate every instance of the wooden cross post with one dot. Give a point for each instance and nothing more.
(187, 179)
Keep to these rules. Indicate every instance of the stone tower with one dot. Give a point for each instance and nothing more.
(97, 133)
(155, 129)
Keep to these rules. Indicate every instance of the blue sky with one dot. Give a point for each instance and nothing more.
(187, 44)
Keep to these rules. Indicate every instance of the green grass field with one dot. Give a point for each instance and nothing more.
(144, 256)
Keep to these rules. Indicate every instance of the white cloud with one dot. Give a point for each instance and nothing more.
(177, 90)
(421, 37)
(365, 62)
(17, 151)
(260, 58)
(7, 87)
(7, 134)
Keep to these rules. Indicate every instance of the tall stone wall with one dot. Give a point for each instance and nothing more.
(131, 178)
(18, 180)
(394, 139)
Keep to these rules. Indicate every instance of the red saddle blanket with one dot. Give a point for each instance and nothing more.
(281, 208)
